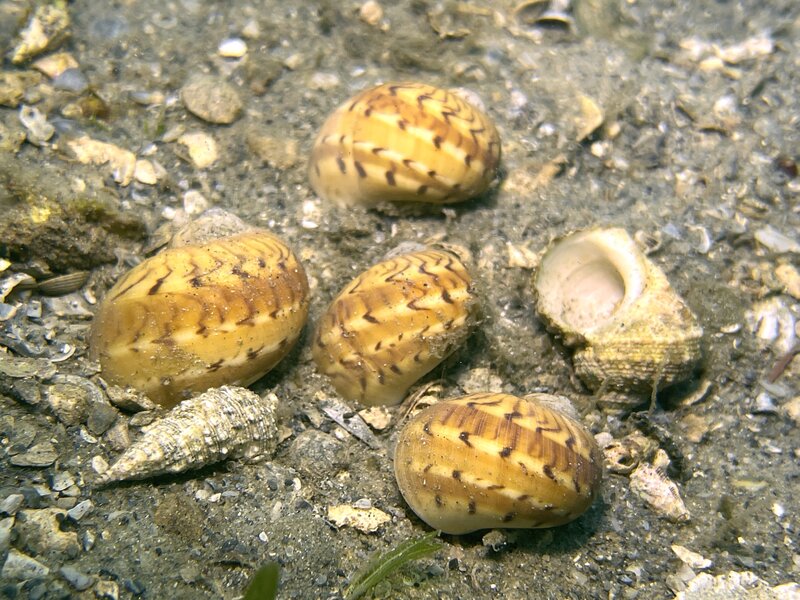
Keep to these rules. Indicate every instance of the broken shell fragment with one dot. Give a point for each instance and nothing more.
(660, 492)
(393, 324)
(601, 295)
(404, 142)
(222, 423)
(196, 317)
(495, 460)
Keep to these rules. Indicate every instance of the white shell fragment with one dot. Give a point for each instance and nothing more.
(202, 148)
(693, 559)
(222, 423)
(366, 520)
(120, 162)
(661, 493)
(232, 48)
(630, 329)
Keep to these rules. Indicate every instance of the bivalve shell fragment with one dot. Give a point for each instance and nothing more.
(495, 460)
(196, 317)
(404, 142)
(393, 324)
(222, 423)
(631, 330)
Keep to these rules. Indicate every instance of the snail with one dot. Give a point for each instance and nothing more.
(394, 323)
(404, 142)
(195, 317)
(495, 460)
(219, 424)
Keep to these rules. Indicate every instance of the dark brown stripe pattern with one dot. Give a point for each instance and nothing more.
(190, 318)
(393, 324)
(518, 464)
(404, 142)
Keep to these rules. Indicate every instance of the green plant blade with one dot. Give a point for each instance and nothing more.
(382, 566)
(264, 585)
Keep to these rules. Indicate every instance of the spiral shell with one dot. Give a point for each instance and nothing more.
(220, 424)
(393, 324)
(601, 295)
(406, 142)
(495, 460)
(196, 317)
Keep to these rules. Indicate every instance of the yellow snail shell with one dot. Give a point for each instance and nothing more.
(404, 142)
(196, 317)
(495, 460)
(393, 324)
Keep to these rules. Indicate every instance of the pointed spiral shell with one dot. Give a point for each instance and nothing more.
(406, 142)
(495, 460)
(195, 317)
(393, 324)
(220, 424)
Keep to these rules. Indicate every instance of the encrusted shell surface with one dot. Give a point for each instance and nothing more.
(495, 460)
(222, 423)
(407, 142)
(393, 324)
(631, 331)
(196, 317)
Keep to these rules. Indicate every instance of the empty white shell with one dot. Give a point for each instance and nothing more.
(631, 331)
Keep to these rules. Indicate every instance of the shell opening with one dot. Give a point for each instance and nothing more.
(585, 279)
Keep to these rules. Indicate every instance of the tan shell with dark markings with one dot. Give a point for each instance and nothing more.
(393, 324)
(196, 317)
(406, 142)
(495, 460)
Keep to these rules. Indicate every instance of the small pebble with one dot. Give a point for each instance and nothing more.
(323, 81)
(776, 241)
(118, 435)
(134, 587)
(194, 203)
(5, 533)
(88, 539)
(106, 590)
(61, 481)
(202, 148)
(764, 404)
(80, 510)
(11, 504)
(40, 533)
(75, 578)
(232, 48)
(792, 410)
(38, 129)
(53, 65)
(147, 98)
(101, 417)
(71, 80)
(144, 172)
(212, 100)
(21, 567)
(41, 455)
(99, 465)
(370, 12)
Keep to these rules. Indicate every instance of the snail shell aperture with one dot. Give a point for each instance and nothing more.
(602, 296)
(196, 317)
(406, 142)
(495, 460)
